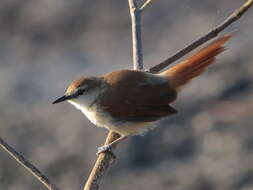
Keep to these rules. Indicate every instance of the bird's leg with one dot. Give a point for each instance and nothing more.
(108, 147)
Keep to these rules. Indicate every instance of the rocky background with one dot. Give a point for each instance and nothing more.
(45, 44)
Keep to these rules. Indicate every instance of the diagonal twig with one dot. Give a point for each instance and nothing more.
(210, 35)
(146, 4)
(102, 164)
(28, 165)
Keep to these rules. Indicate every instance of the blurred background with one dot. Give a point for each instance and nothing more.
(46, 44)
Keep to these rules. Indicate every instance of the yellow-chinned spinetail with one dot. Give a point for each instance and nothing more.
(129, 102)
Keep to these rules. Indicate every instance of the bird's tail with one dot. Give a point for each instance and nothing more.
(195, 65)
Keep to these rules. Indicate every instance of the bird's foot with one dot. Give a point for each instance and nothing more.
(105, 149)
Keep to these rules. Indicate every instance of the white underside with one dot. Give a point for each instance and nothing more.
(102, 119)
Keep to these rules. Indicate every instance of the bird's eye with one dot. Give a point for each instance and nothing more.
(80, 91)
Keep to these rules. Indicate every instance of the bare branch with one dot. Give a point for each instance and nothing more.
(146, 4)
(210, 35)
(102, 164)
(136, 35)
(27, 165)
(133, 4)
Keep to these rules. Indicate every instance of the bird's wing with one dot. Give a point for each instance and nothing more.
(134, 96)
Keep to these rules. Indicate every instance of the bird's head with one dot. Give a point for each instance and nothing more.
(82, 88)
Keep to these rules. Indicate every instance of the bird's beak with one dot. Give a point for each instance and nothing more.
(61, 99)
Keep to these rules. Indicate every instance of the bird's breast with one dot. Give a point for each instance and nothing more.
(88, 106)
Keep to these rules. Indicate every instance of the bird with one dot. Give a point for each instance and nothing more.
(129, 102)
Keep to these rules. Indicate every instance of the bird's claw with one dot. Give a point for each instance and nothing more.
(108, 150)
(105, 148)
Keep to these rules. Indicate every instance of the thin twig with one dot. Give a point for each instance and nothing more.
(30, 167)
(135, 13)
(102, 164)
(210, 35)
(145, 5)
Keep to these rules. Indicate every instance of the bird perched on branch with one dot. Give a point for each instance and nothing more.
(129, 102)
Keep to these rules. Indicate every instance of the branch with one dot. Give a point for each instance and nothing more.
(135, 13)
(146, 4)
(104, 159)
(210, 35)
(102, 164)
(27, 165)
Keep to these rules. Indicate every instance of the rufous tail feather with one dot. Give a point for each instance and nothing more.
(196, 64)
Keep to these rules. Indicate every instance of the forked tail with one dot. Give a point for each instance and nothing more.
(196, 64)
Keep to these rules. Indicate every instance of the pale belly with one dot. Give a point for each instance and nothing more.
(102, 119)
